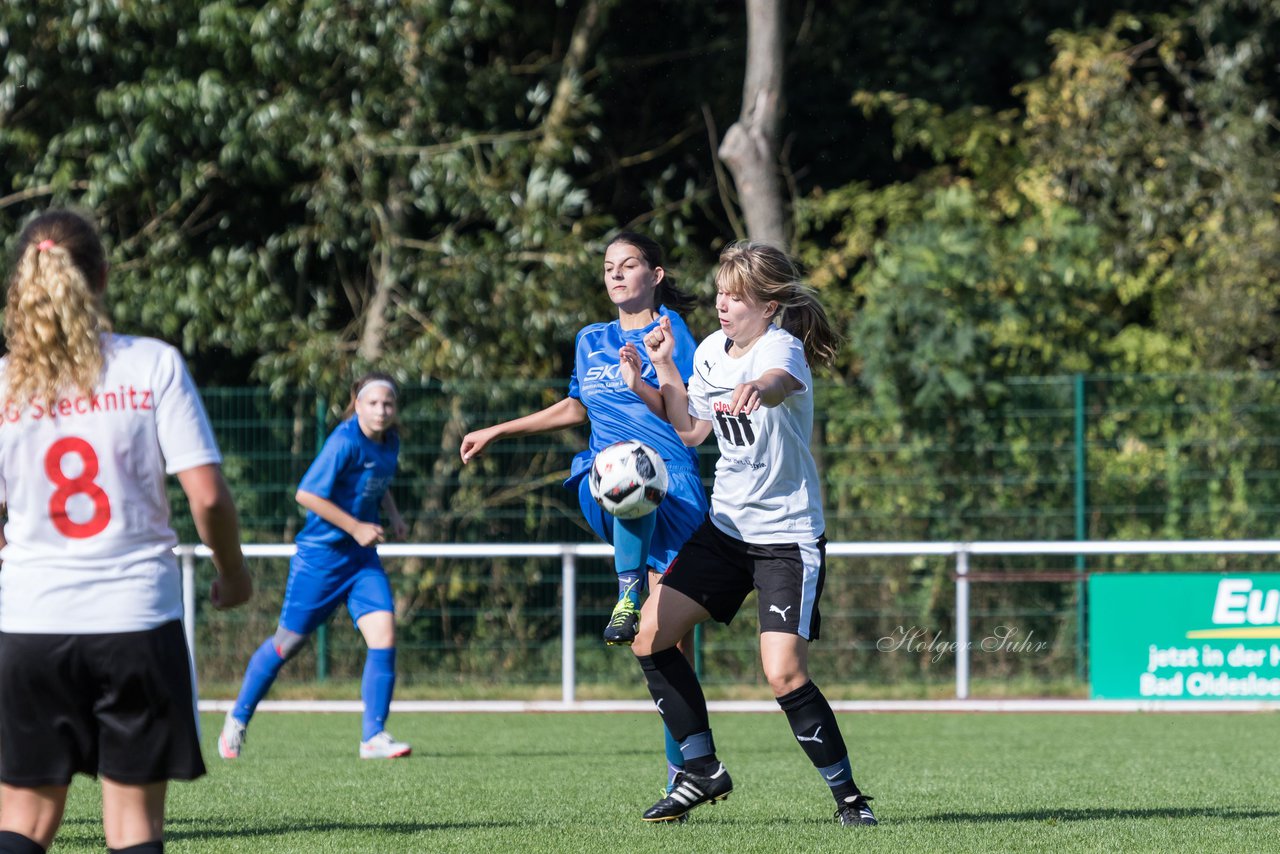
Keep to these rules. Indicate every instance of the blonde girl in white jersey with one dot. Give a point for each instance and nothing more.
(752, 387)
(95, 676)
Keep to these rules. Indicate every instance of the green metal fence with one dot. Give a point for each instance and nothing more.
(1060, 458)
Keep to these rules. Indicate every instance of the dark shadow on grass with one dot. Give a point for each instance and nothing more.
(639, 749)
(1047, 816)
(208, 828)
(1052, 815)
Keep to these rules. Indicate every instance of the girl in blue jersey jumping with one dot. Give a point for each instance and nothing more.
(343, 492)
(599, 395)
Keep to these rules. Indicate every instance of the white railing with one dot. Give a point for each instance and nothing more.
(568, 553)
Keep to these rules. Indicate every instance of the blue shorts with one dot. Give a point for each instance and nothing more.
(679, 515)
(313, 592)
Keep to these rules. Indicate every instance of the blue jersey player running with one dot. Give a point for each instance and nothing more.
(598, 394)
(343, 491)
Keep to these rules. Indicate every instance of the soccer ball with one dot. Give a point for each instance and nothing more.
(628, 479)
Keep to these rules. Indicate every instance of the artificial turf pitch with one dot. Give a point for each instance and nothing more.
(577, 782)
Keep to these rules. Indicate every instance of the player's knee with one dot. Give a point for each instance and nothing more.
(645, 636)
(378, 629)
(288, 644)
(785, 679)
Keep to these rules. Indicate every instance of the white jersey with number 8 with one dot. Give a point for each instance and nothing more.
(89, 546)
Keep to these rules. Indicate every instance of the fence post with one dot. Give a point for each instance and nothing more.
(322, 632)
(962, 624)
(1081, 522)
(189, 597)
(568, 622)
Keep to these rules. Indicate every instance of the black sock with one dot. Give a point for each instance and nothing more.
(676, 692)
(814, 725)
(16, 843)
(155, 846)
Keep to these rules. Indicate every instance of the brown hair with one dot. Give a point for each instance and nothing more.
(54, 318)
(764, 273)
(667, 293)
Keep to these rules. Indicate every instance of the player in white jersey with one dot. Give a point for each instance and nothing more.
(752, 387)
(95, 675)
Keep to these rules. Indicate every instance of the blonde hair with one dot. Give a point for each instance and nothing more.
(763, 273)
(54, 319)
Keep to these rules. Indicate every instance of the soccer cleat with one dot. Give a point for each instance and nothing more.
(855, 811)
(623, 624)
(667, 790)
(383, 746)
(231, 739)
(691, 790)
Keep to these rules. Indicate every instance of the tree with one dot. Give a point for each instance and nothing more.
(751, 145)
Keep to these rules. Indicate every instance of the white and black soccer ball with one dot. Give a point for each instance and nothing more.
(628, 479)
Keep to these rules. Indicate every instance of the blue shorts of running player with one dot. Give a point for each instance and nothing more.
(679, 514)
(717, 571)
(322, 579)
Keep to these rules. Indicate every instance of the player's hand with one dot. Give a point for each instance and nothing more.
(399, 530)
(630, 365)
(230, 589)
(368, 534)
(474, 443)
(660, 343)
(746, 398)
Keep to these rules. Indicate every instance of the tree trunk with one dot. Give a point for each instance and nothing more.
(750, 147)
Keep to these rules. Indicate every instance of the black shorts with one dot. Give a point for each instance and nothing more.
(120, 705)
(718, 571)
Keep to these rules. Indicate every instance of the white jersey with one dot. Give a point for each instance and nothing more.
(89, 548)
(766, 488)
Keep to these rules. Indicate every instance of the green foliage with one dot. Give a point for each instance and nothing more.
(264, 169)
(1120, 218)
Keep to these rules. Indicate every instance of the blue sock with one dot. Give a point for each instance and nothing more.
(375, 689)
(263, 668)
(631, 539)
(675, 759)
(629, 585)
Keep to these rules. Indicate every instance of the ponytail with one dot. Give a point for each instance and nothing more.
(54, 319)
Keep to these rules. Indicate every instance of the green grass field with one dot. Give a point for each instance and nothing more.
(578, 782)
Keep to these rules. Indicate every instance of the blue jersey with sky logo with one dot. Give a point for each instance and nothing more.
(616, 412)
(353, 472)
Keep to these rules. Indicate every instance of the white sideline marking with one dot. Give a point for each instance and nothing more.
(1047, 705)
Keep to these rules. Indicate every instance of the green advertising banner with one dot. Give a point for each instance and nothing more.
(1184, 636)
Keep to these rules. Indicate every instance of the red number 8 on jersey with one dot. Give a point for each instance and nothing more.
(82, 484)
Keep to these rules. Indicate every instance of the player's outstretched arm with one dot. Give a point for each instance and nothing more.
(567, 413)
(214, 512)
(768, 389)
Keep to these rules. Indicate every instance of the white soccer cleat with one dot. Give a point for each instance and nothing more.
(383, 746)
(231, 739)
